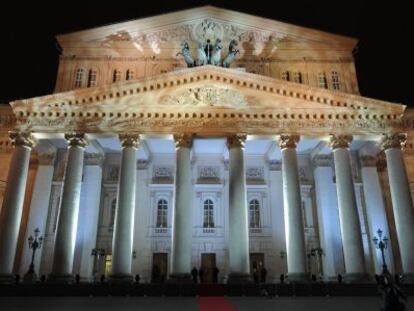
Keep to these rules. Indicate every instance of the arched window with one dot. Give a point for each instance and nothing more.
(162, 213)
(117, 76)
(286, 76)
(129, 75)
(297, 77)
(336, 85)
(79, 78)
(254, 214)
(112, 215)
(323, 83)
(208, 214)
(92, 78)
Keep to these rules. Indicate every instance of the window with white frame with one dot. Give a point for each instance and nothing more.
(286, 75)
(323, 83)
(79, 78)
(254, 213)
(112, 214)
(92, 78)
(116, 76)
(336, 85)
(129, 75)
(208, 219)
(162, 213)
(297, 77)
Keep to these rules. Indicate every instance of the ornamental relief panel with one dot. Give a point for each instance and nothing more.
(163, 175)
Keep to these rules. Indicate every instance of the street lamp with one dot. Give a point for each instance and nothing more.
(34, 243)
(381, 243)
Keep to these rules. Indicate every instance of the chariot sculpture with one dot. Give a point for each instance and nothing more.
(209, 54)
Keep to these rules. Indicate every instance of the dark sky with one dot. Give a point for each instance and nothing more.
(385, 62)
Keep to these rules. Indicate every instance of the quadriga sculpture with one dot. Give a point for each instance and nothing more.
(216, 55)
(232, 54)
(185, 52)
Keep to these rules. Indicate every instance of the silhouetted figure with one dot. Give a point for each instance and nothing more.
(194, 275)
(137, 278)
(77, 278)
(397, 278)
(377, 279)
(17, 278)
(102, 278)
(43, 278)
(201, 275)
(339, 278)
(215, 275)
(263, 274)
(313, 278)
(282, 278)
(155, 274)
(391, 294)
(255, 275)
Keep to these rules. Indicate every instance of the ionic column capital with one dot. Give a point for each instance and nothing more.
(183, 140)
(24, 139)
(340, 141)
(288, 140)
(397, 140)
(130, 140)
(76, 139)
(236, 140)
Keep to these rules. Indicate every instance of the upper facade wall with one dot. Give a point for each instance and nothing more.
(149, 47)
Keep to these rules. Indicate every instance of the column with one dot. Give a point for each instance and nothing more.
(125, 206)
(348, 210)
(294, 231)
(69, 210)
(38, 209)
(182, 213)
(401, 200)
(238, 221)
(11, 212)
(88, 216)
(376, 214)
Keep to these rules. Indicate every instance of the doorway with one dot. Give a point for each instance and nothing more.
(208, 263)
(257, 265)
(159, 267)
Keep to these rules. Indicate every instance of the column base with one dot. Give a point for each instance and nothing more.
(408, 278)
(357, 278)
(6, 278)
(30, 278)
(61, 279)
(297, 278)
(180, 278)
(239, 278)
(121, 278)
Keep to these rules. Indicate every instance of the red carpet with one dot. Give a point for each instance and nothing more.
(215, 304)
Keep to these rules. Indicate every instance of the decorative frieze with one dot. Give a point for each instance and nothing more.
(163, 175)
(208, 174)
(320, 160)
(142, 164)
(255, 175)
(94, 159)
(112, 173)
(393, 141)
(275, 165)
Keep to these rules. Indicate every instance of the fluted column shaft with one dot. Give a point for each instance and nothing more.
(182, 214)
(238, 222)
(69, 210)
(292, 202)
(11, 212)
(348, 209)
(401, 200)
(124, 216)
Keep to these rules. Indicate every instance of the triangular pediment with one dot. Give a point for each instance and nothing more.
(165, 32)
(196, 94)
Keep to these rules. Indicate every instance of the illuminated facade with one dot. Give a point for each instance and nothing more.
(146, 162)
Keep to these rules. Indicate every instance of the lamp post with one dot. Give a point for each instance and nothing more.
(381, 243)
(34, 243)
(97, 253)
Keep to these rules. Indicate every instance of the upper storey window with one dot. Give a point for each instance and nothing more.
(129, 75)
(92, 78)
(162, 213)
(117, 76)
(286, 76)
(297, 77)
(208, 221)
(79, 78)
(254, 214)
(336, 85)
(323, 83)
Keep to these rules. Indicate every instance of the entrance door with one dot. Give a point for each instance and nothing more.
(208, 263)
(256, 266)
(159, 267)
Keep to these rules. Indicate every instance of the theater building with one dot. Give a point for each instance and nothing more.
(157, 149)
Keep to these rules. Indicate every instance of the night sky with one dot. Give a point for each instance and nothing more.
(384, 60)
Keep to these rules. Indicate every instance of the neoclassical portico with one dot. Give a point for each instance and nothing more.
(270, 163)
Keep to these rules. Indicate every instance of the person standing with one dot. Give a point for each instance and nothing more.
(194, 274)
(263, 274)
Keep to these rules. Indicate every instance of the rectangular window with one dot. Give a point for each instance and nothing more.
(323, 83)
